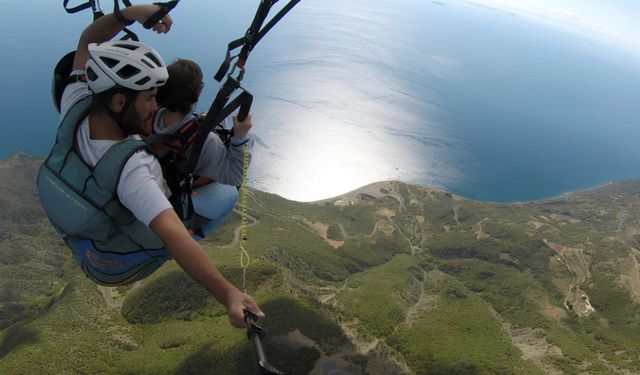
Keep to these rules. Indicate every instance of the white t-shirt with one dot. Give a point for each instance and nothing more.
(142, 188)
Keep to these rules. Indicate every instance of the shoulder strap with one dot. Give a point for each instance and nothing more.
(109, 168)
(78, 112)
(66, 133)
(177, 142)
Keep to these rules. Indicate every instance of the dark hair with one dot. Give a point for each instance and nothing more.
(100, 102)
(182, 88)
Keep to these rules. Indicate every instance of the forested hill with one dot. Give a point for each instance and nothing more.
(388, 279)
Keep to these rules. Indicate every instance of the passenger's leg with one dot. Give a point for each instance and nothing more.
(214, 202)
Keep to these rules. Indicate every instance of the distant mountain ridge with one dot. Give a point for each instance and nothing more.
(388, 279)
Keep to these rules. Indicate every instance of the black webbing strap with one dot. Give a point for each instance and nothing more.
(226, 64)
(217, 113)
(183, 135)
(242, 101)
(90, 4)
(254, 29)
(165, 8)
(161, 139)
(128, 34)
(275, 20)
(219, 109)
(120, 17)
(76, 8)
(254, 34)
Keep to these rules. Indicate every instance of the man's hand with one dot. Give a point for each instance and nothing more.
(242, 127)
(236, 304)
(105, 28)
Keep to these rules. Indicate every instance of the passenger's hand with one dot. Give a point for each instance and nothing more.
(242, 127)
(237, 303)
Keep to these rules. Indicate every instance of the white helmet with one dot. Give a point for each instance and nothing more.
(129, 64)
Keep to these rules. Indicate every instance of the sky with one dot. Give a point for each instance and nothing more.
(617, 20)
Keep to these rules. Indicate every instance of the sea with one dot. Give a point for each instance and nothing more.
(478, 101)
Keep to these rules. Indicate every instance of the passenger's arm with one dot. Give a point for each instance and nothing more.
(106, 27)
(190, 256)
(224, 165)
(242, 127)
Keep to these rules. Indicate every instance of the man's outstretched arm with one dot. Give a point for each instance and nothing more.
(190, 256)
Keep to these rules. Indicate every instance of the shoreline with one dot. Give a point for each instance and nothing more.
(371, 187)
(367, 189)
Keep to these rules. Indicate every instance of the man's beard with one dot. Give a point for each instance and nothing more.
(131, 122)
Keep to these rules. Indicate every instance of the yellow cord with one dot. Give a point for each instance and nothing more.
(244, 255)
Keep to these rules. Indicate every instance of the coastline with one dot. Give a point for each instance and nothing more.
(374, 189)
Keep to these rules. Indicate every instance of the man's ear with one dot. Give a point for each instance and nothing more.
(118, 101)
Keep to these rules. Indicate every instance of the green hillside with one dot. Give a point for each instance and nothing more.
(389, 279)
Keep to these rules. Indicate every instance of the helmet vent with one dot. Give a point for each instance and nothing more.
(109, 62)
(153, 58)
(128, 71)
(142, 81)
(147, 64)
(91, 75)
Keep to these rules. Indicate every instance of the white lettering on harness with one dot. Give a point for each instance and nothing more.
(65, 193)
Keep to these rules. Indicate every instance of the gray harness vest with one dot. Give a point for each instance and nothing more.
(81, 201)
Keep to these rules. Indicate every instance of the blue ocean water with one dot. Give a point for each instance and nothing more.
(481, 102)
